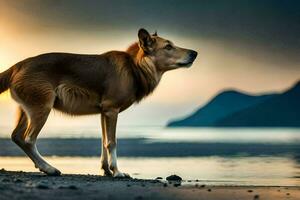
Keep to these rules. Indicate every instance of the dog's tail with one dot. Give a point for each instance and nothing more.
(5, 79)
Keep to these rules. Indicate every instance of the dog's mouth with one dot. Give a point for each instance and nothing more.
(185, 64)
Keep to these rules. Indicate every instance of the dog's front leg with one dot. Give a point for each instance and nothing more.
(104, 157)
(109, 129)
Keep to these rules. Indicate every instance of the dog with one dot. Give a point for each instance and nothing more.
(79, 84)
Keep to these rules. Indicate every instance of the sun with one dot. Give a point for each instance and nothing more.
(5, 96)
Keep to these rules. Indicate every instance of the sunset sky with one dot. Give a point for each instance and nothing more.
(249, 45)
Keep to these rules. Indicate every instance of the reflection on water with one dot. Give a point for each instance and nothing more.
(240, 135)
(268, 170)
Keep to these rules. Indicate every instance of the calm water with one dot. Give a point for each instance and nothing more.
(213, 156)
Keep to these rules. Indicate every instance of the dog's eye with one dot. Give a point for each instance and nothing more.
(168, 47)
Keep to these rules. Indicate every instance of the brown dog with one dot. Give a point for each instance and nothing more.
(87, 84)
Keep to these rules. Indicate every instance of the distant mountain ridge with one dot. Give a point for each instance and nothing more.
(236, 109)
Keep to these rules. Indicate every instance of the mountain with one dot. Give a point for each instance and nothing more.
(280, 111)
(224, 104)
(236, 109)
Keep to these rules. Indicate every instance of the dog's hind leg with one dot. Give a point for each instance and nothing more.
(26, 132)
(16, 136)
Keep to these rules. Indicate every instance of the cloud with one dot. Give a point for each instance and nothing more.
(270, 25)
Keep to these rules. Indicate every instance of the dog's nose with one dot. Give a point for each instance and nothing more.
(193, 54)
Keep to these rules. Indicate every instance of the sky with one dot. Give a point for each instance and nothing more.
(248, 45)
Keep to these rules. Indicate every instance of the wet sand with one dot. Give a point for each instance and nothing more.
(26, 185)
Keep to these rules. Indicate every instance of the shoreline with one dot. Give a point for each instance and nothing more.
(142, 147)
(30, 185)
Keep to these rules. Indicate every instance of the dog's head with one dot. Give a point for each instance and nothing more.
(163, 53)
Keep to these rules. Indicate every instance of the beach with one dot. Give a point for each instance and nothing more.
(268, 157)
(29, 185)
(215, 164)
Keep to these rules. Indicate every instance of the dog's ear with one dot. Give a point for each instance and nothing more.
(145, 40)
(155, 33)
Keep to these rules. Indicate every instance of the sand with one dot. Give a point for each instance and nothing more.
(26, 185)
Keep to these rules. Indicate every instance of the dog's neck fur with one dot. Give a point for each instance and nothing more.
(146, 74)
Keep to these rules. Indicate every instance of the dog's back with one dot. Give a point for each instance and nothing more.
(76, 81)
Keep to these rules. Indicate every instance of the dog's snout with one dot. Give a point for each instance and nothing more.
(193, 54)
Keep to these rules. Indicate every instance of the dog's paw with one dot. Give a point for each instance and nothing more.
(105, 173)
(121, 175)
(50, 171)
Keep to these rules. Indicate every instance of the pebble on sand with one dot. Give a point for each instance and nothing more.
(174, 178)
(73, 187)
(17, 180)
(42, 186)
(5, 180)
